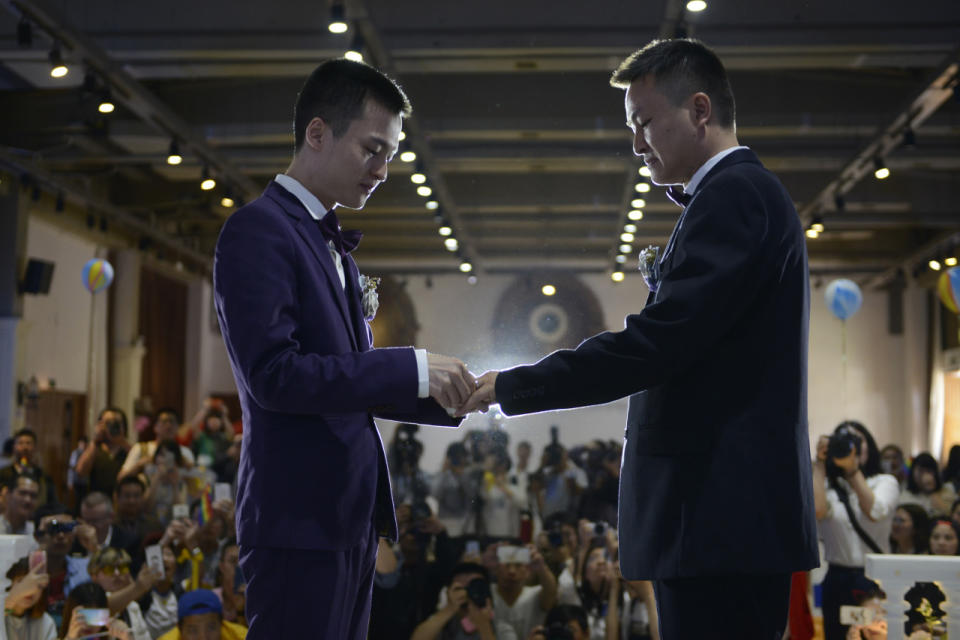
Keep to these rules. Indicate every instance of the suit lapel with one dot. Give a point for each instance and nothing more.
(354, 304)
(308, 229)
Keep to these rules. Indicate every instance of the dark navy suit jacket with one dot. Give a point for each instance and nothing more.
(312, 473)
(715, 477)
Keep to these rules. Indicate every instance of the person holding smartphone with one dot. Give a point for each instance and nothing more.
(85, 615)
(25, 605)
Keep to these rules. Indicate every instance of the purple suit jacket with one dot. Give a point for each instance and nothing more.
(313, 474)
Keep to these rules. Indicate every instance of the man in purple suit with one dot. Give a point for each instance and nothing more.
(313, 490)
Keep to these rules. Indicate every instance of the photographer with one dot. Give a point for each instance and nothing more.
(601, 462)
(452, 489)
(562, 482)
(467, 613)
(408, 480)
(564, 622)
(854, 505)
(501, 500)
(103, 458)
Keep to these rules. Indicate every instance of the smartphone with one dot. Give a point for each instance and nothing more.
(155, 558)
(181, 512)
(222, 491)
(38, 558)
(95, 617)
(472, 548)
(856, 615)
(467, 624)
(508, 555)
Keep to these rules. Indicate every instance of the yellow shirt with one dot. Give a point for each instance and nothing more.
(228, 631)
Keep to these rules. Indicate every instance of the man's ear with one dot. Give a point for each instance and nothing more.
(701, 110)
(316, 133)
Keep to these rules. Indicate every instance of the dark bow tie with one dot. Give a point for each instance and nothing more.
(679, 197)
(343, 241)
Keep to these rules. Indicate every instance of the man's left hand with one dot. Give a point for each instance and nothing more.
(483, 396)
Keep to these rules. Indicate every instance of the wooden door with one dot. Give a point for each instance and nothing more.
(58, 419)
(163, 325)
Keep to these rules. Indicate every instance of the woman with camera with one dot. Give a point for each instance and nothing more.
(854, 504)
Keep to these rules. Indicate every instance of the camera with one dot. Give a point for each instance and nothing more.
(114, 428)
(555, 537)
(843, 443)
(478, 591)
(600, 529)
(553, 452)
(558, 631)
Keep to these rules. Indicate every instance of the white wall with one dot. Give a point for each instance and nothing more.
(208, 369)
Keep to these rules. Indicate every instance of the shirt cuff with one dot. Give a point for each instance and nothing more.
(423, 374)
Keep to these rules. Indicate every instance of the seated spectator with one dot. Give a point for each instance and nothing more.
(159, 607)
(19, 496)
(97, 530)
(167, 484)
(466, 612)
(200, 617)
(24, 450)
(910, 530)
(893, 462)
(103, 458)
(165, 429)
(55, 532)
(521, 606)
(563, 621)
(214, 437)
(924, 487)
(26, 615)
(110, 568)
(501, 500)
(75, 626)
(131, 517)
(945, 538)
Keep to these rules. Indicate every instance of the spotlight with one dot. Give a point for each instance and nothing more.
(338, 23)
(408, 156)
(626, 248)
(432, 205)
(626, 237)
(642, 187)
(621, 258)
(173, 156)
(638, 203)
(635, 215)
(812, 233)
(645, 171)
(881, 171)
(58, 68)
(445, 231)
(106, 102)
(950, 262)
(206, 182)
(696, 6)
(418, 178)
(403, 136)
(935, 265)
(355, 52)
(548, 290)
(24, 34)
(227, 201)
(817, 224)
(466, 267)
(617, 276)
(451, 244)
(630, 228)
(424, 190)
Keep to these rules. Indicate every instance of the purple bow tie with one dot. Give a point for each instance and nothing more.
(343, 241)
(679, 196)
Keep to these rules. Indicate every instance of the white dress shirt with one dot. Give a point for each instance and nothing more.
(317, 211)
(841, 544)
(691, 187)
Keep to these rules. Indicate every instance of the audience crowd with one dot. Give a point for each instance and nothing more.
(496, 543)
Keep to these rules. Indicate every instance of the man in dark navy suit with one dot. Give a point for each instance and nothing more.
(716, 501)
(313, 492)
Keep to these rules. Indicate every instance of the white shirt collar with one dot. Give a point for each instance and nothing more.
(310, 202)
(691, 187)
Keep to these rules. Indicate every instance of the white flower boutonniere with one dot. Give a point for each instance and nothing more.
(650, 267)
(369, 301)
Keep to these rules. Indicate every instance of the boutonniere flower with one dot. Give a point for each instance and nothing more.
(369, 301)
(650, 267)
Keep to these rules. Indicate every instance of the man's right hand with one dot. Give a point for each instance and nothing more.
(456, 598)
(451, 383)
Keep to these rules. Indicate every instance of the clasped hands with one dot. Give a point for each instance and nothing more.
(456, 389)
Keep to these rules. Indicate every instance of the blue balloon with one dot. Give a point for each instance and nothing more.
(843, 298)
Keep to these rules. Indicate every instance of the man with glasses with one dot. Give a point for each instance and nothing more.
(20, 502)
(55, 531)
(97, 532)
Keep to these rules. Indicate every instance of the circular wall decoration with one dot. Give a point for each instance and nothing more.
(528, 324)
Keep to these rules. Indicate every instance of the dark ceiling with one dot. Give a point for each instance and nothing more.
(516, 126)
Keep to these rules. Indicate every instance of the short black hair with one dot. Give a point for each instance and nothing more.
(171, 411)
(30, 433)
(466, 568)
(924, 461)
(14, 480)
(85, 594)
(169, 446)
(51, 509)
(563, 614)
(680, 68)
(337, 91)
(129, 480)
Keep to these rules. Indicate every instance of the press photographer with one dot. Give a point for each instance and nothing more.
(409, 482)
(467, 613)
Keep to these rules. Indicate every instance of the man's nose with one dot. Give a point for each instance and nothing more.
(380, 171)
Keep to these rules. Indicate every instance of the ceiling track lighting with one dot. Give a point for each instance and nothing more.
(355, 52)
(207, 183)
(881, 172)
(817, 224)
(58, 67)
(338, 19)
(173, 156)
(106, 102)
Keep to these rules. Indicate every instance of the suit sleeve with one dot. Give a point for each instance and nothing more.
(428, 411)
(716, 270)
(255, 283)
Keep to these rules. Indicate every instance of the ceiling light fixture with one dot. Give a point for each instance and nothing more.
(635, 215)
(638, 203)
(881, 171)
(696, 6)
(950, 262)
(621, 259)
(466, 267)
(645, 171)
(626, 237)
(451, 244)
(418, 178)
(445, 230)
(408, 156)
(106, 102)
(58, 67)
(206, 182)
(812, 233)
(642, 187)
(617, 276)
(432, 205)
(630, 228)
(355, 52)
(817, 224)
(338, 22)
(548, 290)
(424, 190)
(173, 155)
(626, 248)
(935, 265)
